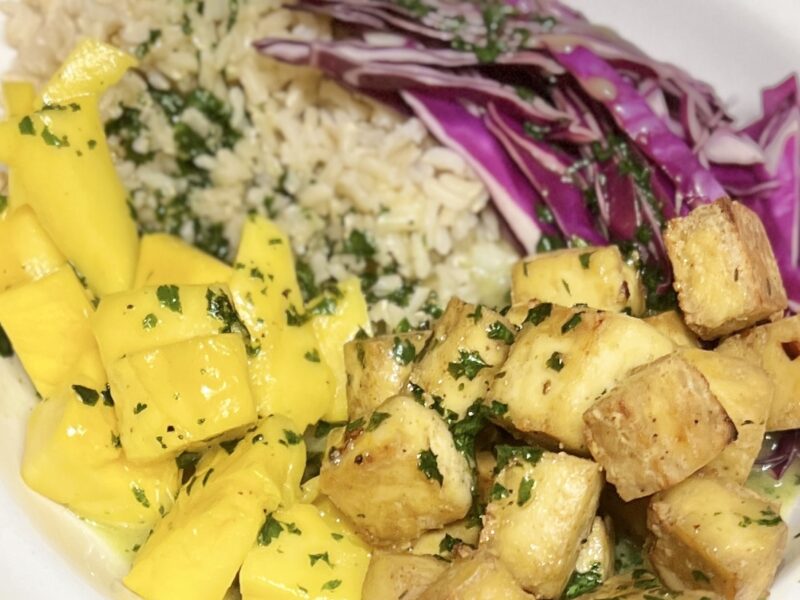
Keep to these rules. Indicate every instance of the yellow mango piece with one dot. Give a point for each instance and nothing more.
(26, 251)
(175, 396)
(306, 556)
(288, 375)
(150, 317)
(165, 259)
(333, 331)
(19, 97)
(47, 322)
(73, 456)
(17, 197)
(91, 68)
(196, 551)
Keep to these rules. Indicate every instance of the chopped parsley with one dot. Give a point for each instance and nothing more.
(52, 139)
(498, 492)
(468, 365)
(769, 518)
(149, 321)
(269, 531)
(87, 395)
(169, 297)
(539, 313)
(555, 362)
(26, 126)
(139, 408)
(312, 356)
(477, 314)
(505, 455)
(584, 259)
(332, 584)
(291, 437)
(359, 245)
(376, 419)
(571, 323)
(354, 425)
(315, 558)
(403, 351)
(583, 583)
(498, 331)
(427, 463)
(140, 496)
(219, 306)
(230, 445)
(524, 492)
(144, 48)
(187, 460)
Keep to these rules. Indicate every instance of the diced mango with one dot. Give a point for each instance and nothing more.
(167, 259)
(47, 322)
(288, 376)
(301, 550)
(19, 97)
(26, 251)
(333, 331)
(195, 552)
(174, 396)
(73, 456)
(91, 68)
(130, 322)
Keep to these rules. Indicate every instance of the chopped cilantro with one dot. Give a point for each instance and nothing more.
(403, 351)
(498, 492)
(498, 331)
(524, 492)
(26, 126)
(332, 584)
(507, 454)
(269, 531)
(584, 259)
(312, 356)
(87, 395)
(230, 445)
(139, 408)
(292, 438)
(169, 297)
(469, 364)
(555, 362)
(449, 543)
(427, 463)
(359, 245)
(140, 496)
(571, 323)
(477, 314)
(583, 583)
(376, 419)
(315, 558)
(149, 321)
(539, 313)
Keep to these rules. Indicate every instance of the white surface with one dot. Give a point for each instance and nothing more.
(738, 46)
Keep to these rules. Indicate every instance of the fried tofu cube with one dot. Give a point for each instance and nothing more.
(175, 396)
(712, 534)
(657, 427)
(400, 576)
(774, 347)
(396, 473)
(299, 550)
(47, 322)
(542, 507)
(561, 362)
(195, 552)
(745, 392)
(671, 324)
(641, 584)
(167, 259)
(726, 275)
(26, 251)
(468, 345)
(378, 368)
(596, 276)
(481, 576)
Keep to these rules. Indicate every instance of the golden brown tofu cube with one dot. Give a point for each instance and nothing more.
(468, 346)
(481, 576)
(396, 473)
(745, 392)
(657, 427)
(596, 276)
(400, 576)
(774, 347)
(378, 368)
(712, 534)
(672, 325)
(726, 276)
(561, 362)
(641, 584)
(542, 507)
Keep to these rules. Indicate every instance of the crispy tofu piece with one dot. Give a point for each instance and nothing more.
(774, 347)
(468, 345)
(672, 325)
(400, 576)
(657, 427)
(712, 534)
(378, 368)
(396, 473)
(562, 361)
(596, 276)
(745, 392)
(543, 506)
(641, 584)
(726, 276)
(481, 576)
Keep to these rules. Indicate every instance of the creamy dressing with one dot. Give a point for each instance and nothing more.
(784, 490)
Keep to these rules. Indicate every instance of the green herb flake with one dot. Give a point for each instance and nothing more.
(331, 585)
(403, 351)
(139, 408)
(269, 531)
(403, 326)
(555, 362)
(312, 356)
(498, 331)
(359, 245)
(354, 425)
(427, 463)
(583, 583)
(498, 492)
(337, 536)
(291, 437)
(539, 313)
(376, 419)
(115, 441)
(315, 558)
(524, 492)
(449, 543)
(506, 454)
(87, 395)
(230, 445)
(469, 364)
(477, 314)
(187, 460)
(584, 259)
(140, 496)
(566, 286)
(169, 297)
(26, 126)
(571, 323)
(52, 139)
(149, 321)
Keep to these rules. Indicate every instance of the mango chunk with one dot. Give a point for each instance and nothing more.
(334, 327)
(73, 456)
(167, 259)
(288, 376)
(196, 550)
(19, 97)
(297, 550)
(26, 251)
(47, 322)
(174, 396)
(144, 319)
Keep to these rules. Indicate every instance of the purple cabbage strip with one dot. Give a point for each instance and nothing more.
(458, 129)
